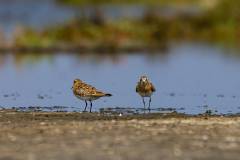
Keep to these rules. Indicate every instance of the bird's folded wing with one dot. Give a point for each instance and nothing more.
(153, 88)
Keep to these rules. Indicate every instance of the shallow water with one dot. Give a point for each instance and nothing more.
(189, 78)
(32, 13)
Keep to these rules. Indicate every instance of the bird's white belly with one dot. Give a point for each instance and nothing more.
(145, 94)
(87, 98)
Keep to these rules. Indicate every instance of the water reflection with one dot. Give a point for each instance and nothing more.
(20, 59)
(191, 78)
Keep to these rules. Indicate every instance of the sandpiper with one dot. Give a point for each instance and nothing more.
(145, 89)
(87, 92)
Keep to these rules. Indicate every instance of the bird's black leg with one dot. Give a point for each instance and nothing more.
(149, 104)
(85, 106)
(91, 106)
(143, 102)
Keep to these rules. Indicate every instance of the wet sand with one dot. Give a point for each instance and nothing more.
(61, 135)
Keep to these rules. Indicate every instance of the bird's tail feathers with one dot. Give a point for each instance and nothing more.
(108, 95)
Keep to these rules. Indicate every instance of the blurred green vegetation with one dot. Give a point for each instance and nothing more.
(219, 24)
(128, 2)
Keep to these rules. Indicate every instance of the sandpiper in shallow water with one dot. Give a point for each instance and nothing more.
(145, 89)
(87, 92)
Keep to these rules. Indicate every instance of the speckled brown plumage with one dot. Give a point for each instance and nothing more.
(145, 89)
(87, 92)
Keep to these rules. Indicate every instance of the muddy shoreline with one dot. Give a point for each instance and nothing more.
(66, 135)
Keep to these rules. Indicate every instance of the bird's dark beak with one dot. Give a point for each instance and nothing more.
(71, 88)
